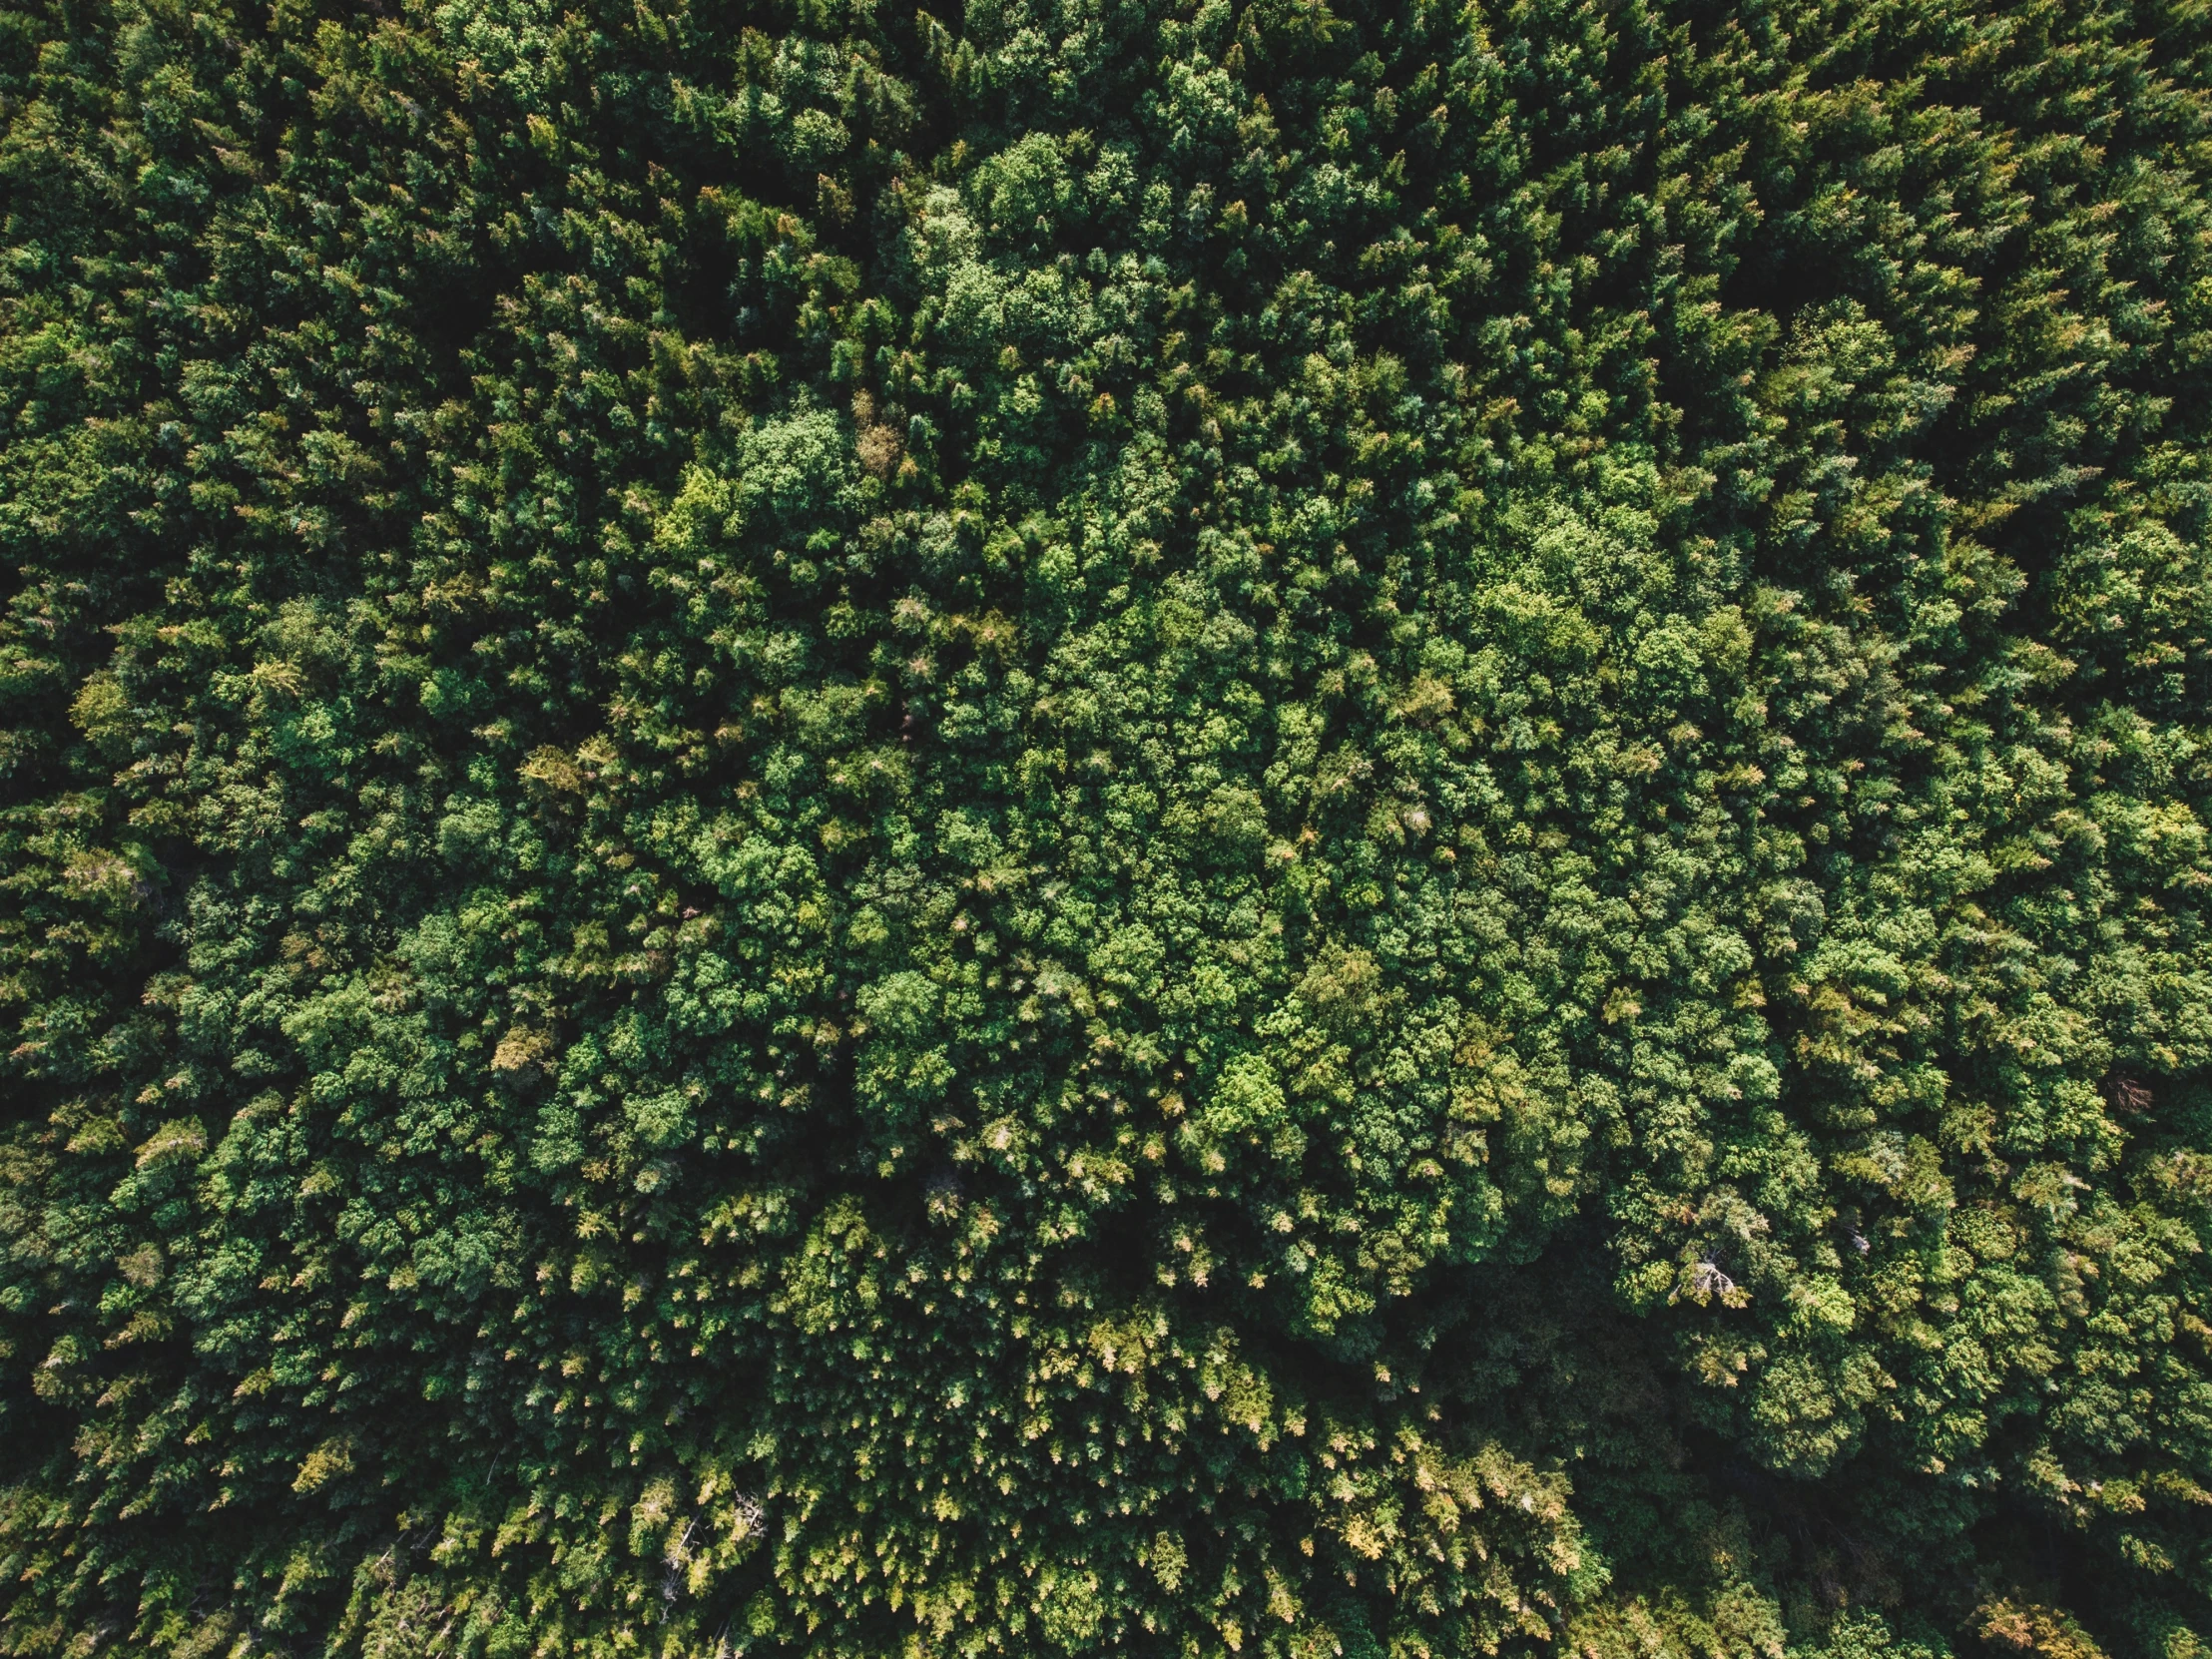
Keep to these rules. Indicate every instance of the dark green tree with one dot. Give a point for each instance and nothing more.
(1309, 827)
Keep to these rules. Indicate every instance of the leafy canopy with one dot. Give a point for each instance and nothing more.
(1290, 827)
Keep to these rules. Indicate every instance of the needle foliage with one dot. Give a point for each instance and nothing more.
(1325, 829)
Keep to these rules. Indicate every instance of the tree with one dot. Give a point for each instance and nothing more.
(1346, 830)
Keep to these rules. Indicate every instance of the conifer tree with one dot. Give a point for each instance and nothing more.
(1314, 828)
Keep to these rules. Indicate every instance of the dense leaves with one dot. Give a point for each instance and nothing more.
(1299, 826)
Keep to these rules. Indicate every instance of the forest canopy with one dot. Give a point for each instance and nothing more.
(1330, 828)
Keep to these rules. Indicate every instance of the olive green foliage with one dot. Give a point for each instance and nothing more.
(1314, 827)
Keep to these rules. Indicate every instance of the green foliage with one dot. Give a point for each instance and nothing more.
(1296, 828)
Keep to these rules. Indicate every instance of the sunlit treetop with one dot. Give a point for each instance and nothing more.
(1293, 829)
